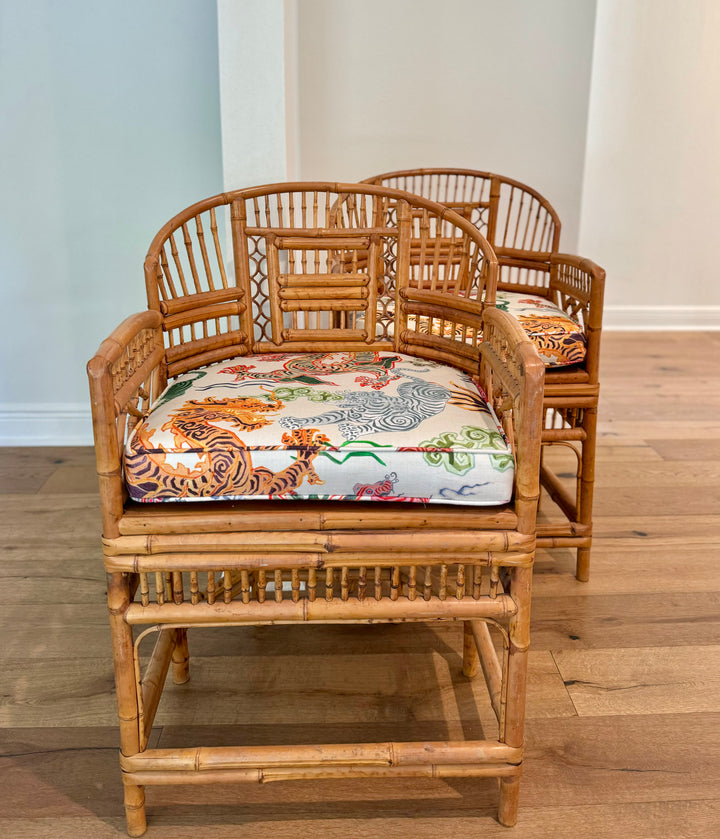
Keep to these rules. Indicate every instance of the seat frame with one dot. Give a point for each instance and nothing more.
(176, 566)
(524, 231)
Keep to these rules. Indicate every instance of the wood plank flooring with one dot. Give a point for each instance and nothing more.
(623, 729)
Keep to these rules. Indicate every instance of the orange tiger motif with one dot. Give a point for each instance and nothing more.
(223, 464)
(553, 338)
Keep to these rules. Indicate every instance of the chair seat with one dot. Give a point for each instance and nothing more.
(371, 426)
(558, 338)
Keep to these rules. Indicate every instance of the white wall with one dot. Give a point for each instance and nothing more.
(111, 125)
(500, 86)
(651, 196)
(256, 64)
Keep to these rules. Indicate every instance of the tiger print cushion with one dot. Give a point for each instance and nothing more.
(558, 338)
(346, 426)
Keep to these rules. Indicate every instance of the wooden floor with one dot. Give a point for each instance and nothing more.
(623, 728)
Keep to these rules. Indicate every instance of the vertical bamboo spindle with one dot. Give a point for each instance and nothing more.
(460, 582)
(144, 590)
(442, 594)
(494, 580)
(378, 582)
(362, 582)
(311, 584)
(412, 583)
(211, 587)
(295, 585)
(278, 585)
(159, 588)
(177, 585)
(261, 585)
(329, 582)
(395, 583)
(245, 585)
(477, 581)
(427, 587)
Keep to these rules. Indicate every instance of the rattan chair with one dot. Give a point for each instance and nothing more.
(524, 231)
(240, 534)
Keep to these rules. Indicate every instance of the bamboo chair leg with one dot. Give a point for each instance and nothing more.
(509, 799)
(470, 653)
(180, 658)
(587, 485)
(516, 678)
(126, 689)
(135, 810)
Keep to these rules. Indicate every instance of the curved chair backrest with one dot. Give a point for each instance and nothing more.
(520, 224)
(286, 267)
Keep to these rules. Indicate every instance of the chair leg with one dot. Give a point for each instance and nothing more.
(126, 691)
(585, 491)
(509, 799)
(470, 654)
(135, 810)
(516, 676)
(181, 658)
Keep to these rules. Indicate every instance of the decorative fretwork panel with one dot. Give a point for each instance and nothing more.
(322, 286)
(368, 582)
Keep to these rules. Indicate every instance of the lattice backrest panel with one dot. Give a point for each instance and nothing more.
(315, 266)
(322, 287)
(516, 219)
(309, 266)
(468, 194)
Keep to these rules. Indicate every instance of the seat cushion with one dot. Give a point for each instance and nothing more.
(559, 339)
(376, 426)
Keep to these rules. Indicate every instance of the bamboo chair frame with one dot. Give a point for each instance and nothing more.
(524, 231)
(172, 567)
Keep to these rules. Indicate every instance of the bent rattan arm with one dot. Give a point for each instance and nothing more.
(126, 375)
(580, 288)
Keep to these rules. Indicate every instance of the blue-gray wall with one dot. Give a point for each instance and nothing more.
(110, 125)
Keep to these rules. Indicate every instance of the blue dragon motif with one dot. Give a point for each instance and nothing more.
(367, 412)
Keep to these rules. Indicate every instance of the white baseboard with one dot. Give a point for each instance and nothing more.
(45, 424)
(669, 318)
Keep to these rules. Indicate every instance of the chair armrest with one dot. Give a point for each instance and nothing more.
(582, 280)
(580, 285)
(126, 375)
(513, 377)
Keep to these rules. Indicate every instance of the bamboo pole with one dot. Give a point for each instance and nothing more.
(389, 754)
(264, 775)
(209, 517)
(288, 611)
(313, 542)
(492, 670)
